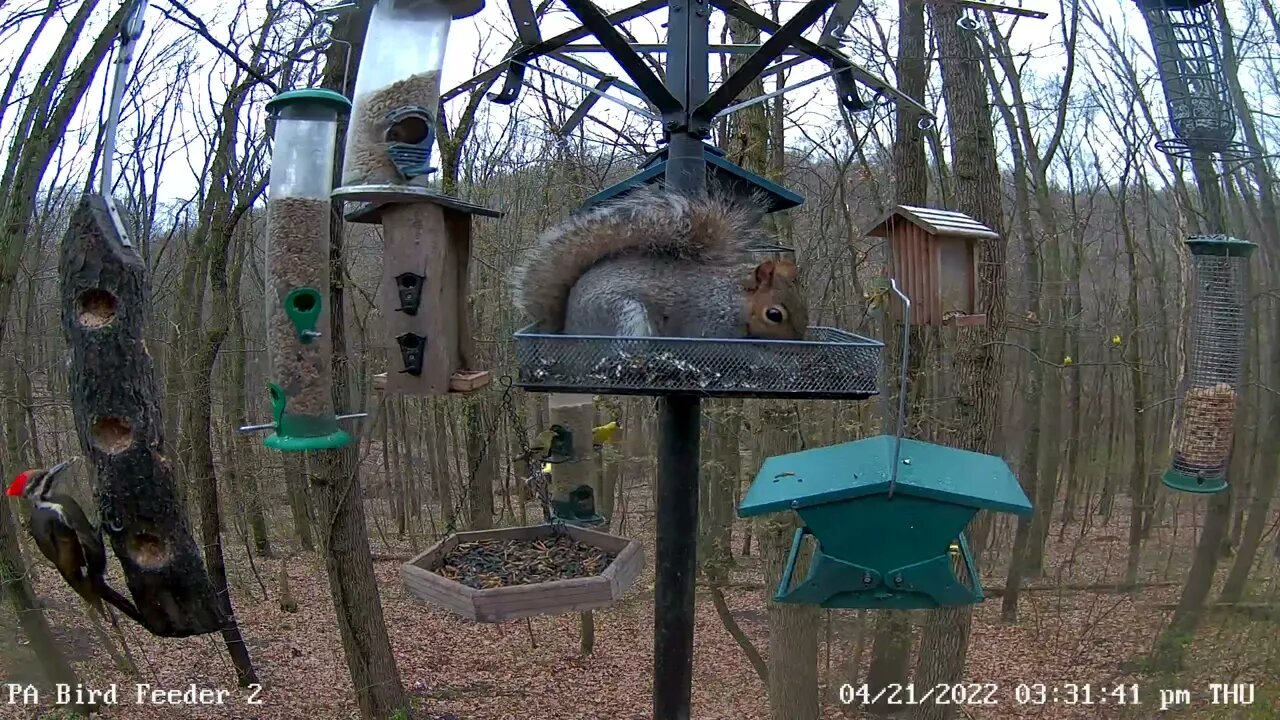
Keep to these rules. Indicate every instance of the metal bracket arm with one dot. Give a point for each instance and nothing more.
(580, 113)
(549, 45)
(526, 21)
(827, 55)
(641, 74)
(833, 31)
(596, 91)
(771, 50)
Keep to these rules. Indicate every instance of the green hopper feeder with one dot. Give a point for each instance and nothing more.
(884, 542)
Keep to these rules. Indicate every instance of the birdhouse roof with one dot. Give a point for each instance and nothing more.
(864, 467)
(947, 223)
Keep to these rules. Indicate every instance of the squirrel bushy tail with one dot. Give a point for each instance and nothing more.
(711, 227)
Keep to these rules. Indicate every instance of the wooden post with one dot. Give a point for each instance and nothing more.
(117, 414)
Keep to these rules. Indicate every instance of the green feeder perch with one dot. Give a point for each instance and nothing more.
(884, 543)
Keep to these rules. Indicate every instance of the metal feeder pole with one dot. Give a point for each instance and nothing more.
(679, 416)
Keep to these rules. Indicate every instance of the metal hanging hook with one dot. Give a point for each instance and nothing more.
(902, 384)
(130, 31)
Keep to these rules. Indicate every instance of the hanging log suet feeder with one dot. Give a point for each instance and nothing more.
(116, 405)
(933, 256)
(1215, 341)
(425, 283)
(297, 270)
(884, 542)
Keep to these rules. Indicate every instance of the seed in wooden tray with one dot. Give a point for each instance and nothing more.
(504, 563)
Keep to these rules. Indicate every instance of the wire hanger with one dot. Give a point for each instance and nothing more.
(902, 384)
(130, 31)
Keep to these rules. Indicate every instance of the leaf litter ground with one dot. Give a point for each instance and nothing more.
(517, 671)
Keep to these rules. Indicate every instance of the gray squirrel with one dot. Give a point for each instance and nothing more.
(661, 263)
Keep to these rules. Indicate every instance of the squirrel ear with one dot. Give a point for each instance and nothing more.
(761, 277)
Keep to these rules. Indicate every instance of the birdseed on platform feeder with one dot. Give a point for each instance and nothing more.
(298, 257)
(1208, 427)
(367, 161)
(485, 564)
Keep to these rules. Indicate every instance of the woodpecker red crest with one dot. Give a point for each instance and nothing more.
(19, 484)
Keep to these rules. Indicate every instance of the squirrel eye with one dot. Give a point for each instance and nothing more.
(774, 314)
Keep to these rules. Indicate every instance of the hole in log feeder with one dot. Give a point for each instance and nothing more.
(97, 308)
(111, 435)
(148, 551)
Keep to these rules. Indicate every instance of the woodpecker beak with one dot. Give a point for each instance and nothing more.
(19, 484)
(53, 471)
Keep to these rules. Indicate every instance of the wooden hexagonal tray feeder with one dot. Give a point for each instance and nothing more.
(423, 579)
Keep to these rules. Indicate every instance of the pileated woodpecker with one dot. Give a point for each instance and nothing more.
(64, 535)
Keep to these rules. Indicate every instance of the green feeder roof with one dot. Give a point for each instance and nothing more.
(719, 169)
(335, 101)
(1219, 245)
(863, 468)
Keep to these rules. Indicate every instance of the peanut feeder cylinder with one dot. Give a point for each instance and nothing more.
(1215, 346)
(386, 170)
(297, 270)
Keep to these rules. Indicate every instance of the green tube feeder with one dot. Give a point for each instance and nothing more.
(304, 141)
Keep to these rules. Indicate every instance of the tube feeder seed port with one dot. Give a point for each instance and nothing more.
(304, 140)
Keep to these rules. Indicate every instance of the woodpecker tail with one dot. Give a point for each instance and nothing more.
(121, 603)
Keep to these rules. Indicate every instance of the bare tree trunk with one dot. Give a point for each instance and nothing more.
(945, 638)
(336, 479)
(793, 628)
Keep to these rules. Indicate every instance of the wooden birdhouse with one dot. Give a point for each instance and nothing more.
(933, 256)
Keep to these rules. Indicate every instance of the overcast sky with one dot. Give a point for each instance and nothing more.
(480, 40)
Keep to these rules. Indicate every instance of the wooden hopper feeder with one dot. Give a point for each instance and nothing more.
(424, 292)
(933, 257)
(422, 578)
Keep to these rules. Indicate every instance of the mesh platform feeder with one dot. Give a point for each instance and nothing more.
(828, 363)
(1184, 37)
(424, 291)
(1215, 345)
(297, 272)
(105, 298)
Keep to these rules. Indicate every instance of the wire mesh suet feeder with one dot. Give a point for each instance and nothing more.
(1184, 38)
(297, 270)
(1215, 347)
(397, 93)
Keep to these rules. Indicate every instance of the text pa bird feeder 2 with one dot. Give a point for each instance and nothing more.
(1184, 36)
(510, 573)
(1215, 342)
(297, 270)
(933, 257)
(424, 289)
(884, 542)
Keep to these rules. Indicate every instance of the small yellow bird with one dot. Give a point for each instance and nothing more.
(1067, 360)
(1115, 340)
(606, 433)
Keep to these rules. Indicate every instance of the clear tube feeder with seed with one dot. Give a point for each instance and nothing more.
(397, 94)
(297, 270)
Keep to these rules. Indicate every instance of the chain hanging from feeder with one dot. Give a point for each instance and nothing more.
(1210, 391)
